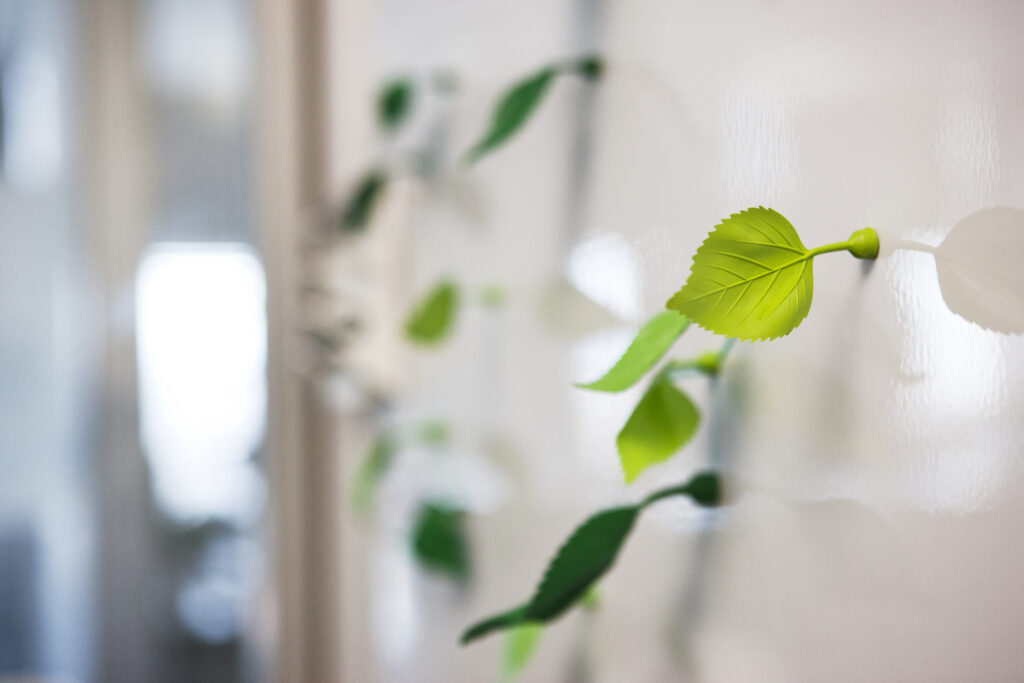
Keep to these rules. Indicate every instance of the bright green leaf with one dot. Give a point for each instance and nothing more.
(650, 344)
(372, 470)
(588, 554)
(520, 644)
(492, 296)
(439, 540)
(361, 204)
(662, 422)
(434, 316)
(751, 279)
(394, 103)
(512, 111)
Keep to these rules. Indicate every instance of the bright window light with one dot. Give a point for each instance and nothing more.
(202, 346)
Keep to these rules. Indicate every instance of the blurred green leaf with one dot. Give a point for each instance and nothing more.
(492, 296)
(512, 111)
(439, 540)
(651, 342)
(372, 471)
(591, 600)
(359, 207)
(520, 644)
(499, 622)
(434, 432)
(394, 103)
(588, 554)
(434, 316)
(662, 422)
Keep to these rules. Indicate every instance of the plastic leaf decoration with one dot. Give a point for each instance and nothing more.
(588, 554)
(373, 469)
(752, 278)
(361, 203)
(520, 644)
(520, 101)
(979, 269)
(663, 421)
(512, 110)
(434, 316)
(654, 339)
(439, 540)
(394, 103)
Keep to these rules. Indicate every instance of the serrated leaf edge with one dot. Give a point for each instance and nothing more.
(808, 260)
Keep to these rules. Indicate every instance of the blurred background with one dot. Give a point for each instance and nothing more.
(223, 454)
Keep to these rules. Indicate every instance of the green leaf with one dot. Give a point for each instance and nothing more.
(363, 201)
(434, 433)
(439, 540)
(662, 422)
(394, 103)
(751, 279)
(520, 644)
(434, 316)
(372, 471)
(584, 558)
(499, 622)
(588, 554)
(512, 111)
(650, 344)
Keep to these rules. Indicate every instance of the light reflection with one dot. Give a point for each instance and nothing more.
(202, 344)
(606, 268)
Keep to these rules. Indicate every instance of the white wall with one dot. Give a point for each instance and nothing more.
(880, 442)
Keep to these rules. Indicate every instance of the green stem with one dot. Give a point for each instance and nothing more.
(863, 244)
(828, 248)
(726, 348)
(678, 490)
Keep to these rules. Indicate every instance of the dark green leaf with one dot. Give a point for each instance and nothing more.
(439, 540)
(663, 421)
(513, 617)
(434, 316)
(583, 559)
(654, 339)
(363, 201)
(373, 469)
(394, 103)
(588, 554)
(512, 111)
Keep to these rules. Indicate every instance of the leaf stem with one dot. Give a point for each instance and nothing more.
(828, 248)
(678, 490)
(863, 244)
(726, 348)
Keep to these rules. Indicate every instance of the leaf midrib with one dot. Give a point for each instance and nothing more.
(746, 281)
